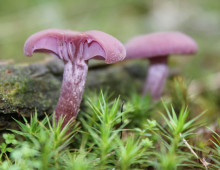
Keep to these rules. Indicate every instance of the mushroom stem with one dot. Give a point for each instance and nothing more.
(74, 78)
(156, 78)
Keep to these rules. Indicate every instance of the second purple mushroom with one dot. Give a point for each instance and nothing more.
(75, 49)
(157, 47)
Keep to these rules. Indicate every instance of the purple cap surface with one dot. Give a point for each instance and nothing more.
(160, 44)
(66, 44)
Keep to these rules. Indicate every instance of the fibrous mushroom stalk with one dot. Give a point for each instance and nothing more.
(74, 78)
(156, 77)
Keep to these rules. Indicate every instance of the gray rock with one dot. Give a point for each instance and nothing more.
(26, 88)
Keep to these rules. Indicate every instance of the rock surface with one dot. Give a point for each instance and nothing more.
(26, 88)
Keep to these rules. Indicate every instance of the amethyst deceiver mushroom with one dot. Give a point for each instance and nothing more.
(157, 47)
(75, 49)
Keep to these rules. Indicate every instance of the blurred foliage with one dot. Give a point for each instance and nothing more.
(121, 18)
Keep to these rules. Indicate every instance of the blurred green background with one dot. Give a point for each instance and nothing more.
(124, 19)
(121, 18)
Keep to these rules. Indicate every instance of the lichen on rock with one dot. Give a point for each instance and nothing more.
(21, 91)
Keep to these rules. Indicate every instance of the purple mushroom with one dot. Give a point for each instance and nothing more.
(75, 49)
(157, 47)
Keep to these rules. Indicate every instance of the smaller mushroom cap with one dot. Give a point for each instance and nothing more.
(160, 44)
(65, 44)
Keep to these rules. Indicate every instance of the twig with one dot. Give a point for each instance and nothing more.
(109, 154)
(202, 160)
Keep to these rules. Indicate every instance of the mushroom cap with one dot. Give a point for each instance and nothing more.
(66, 44)
(160, 44)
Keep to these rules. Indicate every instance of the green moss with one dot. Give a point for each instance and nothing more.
(21, 92)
